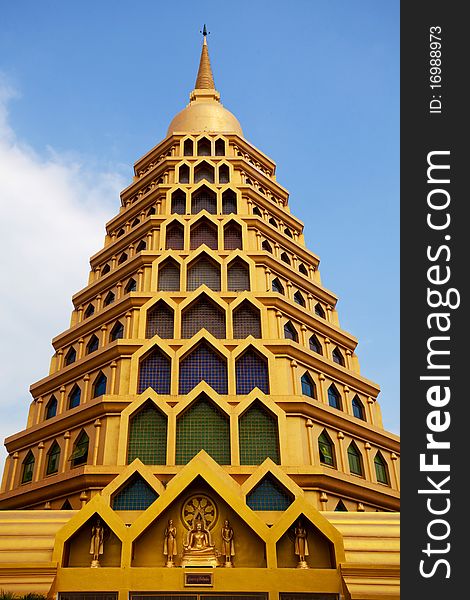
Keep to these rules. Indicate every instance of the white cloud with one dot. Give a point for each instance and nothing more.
(53, 210)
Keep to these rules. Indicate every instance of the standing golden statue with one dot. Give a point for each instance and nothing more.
(228, 549)
(96, 543)
(169, 545)
(301, 545)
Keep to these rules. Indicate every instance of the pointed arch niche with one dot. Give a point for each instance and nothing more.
(77, 547)
(258, 431)
(320, 549)
(147, 435)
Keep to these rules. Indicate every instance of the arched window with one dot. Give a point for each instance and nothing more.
(122, 258)
(232, 236)
(131, 286)
(117, 332)
(188, 148)
(238, 276)
(259, 436)
(106, 269)
(246, 321)
(175, 236)
(203, 271)
(203, 313)
(135, 222)
(326, 450)
(74, 396)
(151, 211)
(272, 222)
(204, 171)
(288, 232)
(257, 212)
(142, 245)
(290, 332)
(109, 299)
(355, 460)
(80, 450)
(136, 494)
(160, 321)
(219, 148)
(204, 147)
(71, 356)
(269, 494)
(93, 344)
(155, 372)
(315, 345)
(229, 202)
(28, 468)
(183, 174)
(299, 299)
(224, 174)
(334, 398)
(203, 426)
(178, 202)
(90, 309)
(169, 276)
(381, 470)
(120, 233)
(340, 507)
(53, 458)
(358, 409)
(203, 363)
(277, 286)
(204, 232)
(338, 357)
(147, 436)
(285, 258)
(319, 310)
(51, 407)
(303, 269)
(251, 370)
(267, 246)
(308, 386)
(99, 386)
(204, 199)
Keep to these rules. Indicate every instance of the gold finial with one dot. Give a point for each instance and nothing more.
(205, 79)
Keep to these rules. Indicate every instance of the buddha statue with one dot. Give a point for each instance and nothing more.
(198, 549)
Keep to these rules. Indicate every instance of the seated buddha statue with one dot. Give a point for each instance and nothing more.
(198, 550)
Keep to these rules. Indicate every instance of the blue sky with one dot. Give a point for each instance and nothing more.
(86, 88)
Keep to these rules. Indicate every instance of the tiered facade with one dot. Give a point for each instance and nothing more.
(204, 366)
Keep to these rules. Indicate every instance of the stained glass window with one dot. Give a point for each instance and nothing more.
(326, 449)
(315, 345)
(219, 148)
(51, 407)
(203, 363)
(224, 174)
(277, 286)
(204, 199)
(175, 237)
(178, 202)
(204, 171)
(109, 299)
(268, 248)
(131, 286)
(229, 202)
(53, 458)
(92, 345)
(381, 470)
(290, 332)
(135, 495)
(303, 269)
(285, 258)
(299, 299)
(238, 276)
(160, 321)
(183, 174)
(203, 313)
(251, 370)
(269, 494)
(147, 436)
(74, 396)
(155, 372)
(204, 147)
(99, 386)
(203, 426)
(203, 271)
(259, 437)
(355, 460)
(246, 321)
(80, 451)
(204, 232)
(334, 398)
(232, 236)
(188, 148)
(28, 468)
(319, 310)
(358, 408)
(308, 386)
(169, 277)
(338, 357)
(71, 356)
(117, 332)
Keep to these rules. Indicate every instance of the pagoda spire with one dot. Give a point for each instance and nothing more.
(205, 79)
